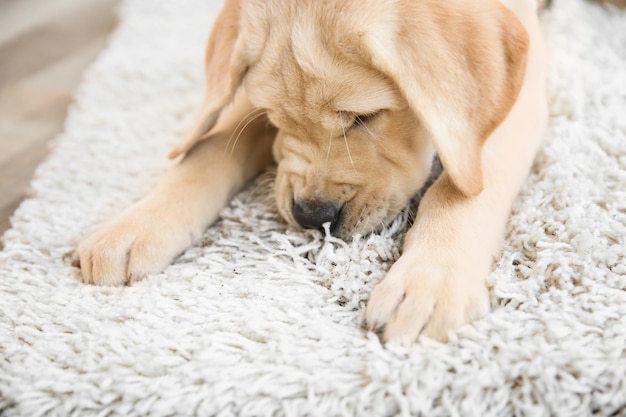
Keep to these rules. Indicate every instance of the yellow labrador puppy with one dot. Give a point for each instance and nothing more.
(359, 95)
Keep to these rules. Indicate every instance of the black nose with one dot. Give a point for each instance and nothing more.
(313, 214)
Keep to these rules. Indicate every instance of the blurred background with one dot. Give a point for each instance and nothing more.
(45, 45)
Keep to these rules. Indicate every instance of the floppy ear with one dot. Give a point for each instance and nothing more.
(460, 65)
(225, 69)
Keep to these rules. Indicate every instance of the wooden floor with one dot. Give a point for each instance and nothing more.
(45, 45)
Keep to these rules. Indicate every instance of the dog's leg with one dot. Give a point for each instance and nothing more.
(438, 284)
(148, 235)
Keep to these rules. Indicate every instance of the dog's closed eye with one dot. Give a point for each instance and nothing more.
(359, 120)
(362, 119)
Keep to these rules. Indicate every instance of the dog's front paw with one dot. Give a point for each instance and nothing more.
(429, 298)
(138, 242)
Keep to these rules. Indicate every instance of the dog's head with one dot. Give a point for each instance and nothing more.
(363, 92)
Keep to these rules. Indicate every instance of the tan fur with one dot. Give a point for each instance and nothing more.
(464, 79)
(619, 3)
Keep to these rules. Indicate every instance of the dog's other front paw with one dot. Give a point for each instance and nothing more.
(138, 242)
(429, 298)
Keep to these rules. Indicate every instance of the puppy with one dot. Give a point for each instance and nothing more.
(352, 99)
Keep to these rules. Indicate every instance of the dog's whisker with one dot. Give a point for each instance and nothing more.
(251, 113)
(345, 138)
(383, 225)
(392, 214)
(257, 190)
(243, 119)
(232, 149)
(361, 125)
(411, 213)
(364, 127)
(330, 144)
(359, 221)
(267, 176)
(249, 118)
(263, 181)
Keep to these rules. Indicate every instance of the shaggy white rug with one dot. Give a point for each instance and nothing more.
(264, 320)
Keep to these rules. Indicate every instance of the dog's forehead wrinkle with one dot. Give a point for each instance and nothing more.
(310, 53)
